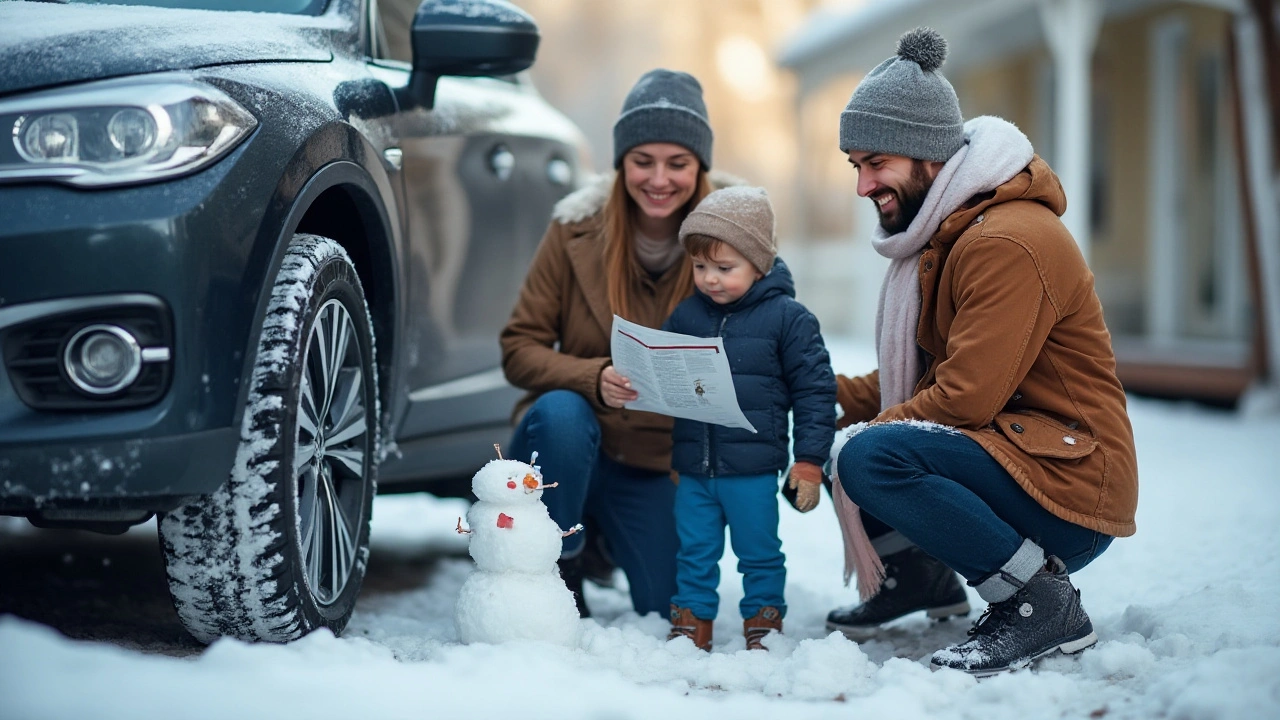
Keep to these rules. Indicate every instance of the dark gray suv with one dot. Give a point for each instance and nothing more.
(252, 270)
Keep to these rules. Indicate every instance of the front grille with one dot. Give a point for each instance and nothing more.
(33, 357)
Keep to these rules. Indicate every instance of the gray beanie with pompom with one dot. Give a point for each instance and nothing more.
(905, 106)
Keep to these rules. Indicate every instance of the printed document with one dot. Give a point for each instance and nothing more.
(678, 375)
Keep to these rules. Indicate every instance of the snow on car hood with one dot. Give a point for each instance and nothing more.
(45, 44)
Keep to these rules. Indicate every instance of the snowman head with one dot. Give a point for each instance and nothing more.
(508, 482)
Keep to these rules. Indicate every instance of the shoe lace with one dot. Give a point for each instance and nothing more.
(997, 616)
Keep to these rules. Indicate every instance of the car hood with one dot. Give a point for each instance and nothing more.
(43, 45)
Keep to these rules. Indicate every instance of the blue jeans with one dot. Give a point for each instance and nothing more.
(942, 491)
(748, 504)
(632, 507)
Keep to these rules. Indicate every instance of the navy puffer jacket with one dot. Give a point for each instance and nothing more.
(779, 364)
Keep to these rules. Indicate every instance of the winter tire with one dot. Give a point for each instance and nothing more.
(280, 549)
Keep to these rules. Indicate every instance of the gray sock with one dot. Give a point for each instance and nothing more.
(890, 543)
(1009, 579)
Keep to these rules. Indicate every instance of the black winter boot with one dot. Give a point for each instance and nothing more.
(571, 573)
(597, 563)
(913, 581)
(1045, 615)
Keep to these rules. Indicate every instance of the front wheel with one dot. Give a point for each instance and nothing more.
(281, 548)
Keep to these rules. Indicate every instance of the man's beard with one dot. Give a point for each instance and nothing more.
(910, 199)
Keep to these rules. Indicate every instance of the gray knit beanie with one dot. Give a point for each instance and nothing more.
(664, 106)
(740, 217)
(905, 106)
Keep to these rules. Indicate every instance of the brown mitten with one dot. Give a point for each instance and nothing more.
(805, 479)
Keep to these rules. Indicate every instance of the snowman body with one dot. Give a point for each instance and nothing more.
(515, 591)
(501, 544)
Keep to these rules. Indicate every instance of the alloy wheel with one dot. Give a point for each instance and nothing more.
(331, 452)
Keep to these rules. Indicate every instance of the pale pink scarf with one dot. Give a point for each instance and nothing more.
(995, 151)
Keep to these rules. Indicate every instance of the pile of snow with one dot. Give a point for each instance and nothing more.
(1187, 612)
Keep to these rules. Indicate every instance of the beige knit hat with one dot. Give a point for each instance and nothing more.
(740, 217)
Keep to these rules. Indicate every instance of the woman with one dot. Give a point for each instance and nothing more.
(611, 248)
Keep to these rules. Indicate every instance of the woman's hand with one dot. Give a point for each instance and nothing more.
(615, 390)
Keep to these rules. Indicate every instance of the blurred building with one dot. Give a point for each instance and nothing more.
(593, 51)
(1161, 119)
(1159, 116)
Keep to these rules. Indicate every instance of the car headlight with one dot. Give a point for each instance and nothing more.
(117, 133)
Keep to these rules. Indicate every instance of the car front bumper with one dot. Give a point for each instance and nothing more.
(188, 246)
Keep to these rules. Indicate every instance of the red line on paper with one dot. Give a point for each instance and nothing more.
(670, 347)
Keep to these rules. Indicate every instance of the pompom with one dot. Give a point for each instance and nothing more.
(925, 47)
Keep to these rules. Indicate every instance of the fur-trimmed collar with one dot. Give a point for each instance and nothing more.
(590, 197)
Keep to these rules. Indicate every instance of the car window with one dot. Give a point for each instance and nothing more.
(395, 18)
(292, 7)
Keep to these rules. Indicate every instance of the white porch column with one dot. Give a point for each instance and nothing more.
(1167, 186)
(800, 182)
(1264, 184)
(1071, 28)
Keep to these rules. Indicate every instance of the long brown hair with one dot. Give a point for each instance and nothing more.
(622, 270)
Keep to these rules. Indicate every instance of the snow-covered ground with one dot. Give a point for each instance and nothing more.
(1187, 611)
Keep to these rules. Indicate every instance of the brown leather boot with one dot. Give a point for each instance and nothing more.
(684, 624)
(756, 627)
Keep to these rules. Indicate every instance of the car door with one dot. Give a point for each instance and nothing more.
(481, 170)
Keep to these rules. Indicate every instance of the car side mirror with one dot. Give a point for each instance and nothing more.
(469, 38)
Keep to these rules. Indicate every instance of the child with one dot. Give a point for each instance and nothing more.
(780, 364)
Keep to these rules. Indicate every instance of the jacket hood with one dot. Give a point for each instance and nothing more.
(45, 45)
(777, 282)
(1036, 183)
(590, 197)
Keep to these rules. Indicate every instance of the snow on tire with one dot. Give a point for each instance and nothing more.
(281, 548)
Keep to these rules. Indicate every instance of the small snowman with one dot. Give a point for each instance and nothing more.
(516, 592)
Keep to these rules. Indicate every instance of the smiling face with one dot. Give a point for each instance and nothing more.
(660, 178)
(896, 184)
(724, 274)
(508, 482)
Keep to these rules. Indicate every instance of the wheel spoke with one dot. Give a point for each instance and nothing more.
(355, 428)
(351, 458)
(338, 334)
(341, 546)
(307, 502)
(309, 516)
(349, 420)
(320, 342)
(307, 418)
(349, 386)
(302, 456)
(315, 549)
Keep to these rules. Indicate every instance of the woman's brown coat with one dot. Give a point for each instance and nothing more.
(1018, 357)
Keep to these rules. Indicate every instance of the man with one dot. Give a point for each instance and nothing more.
(993, 440)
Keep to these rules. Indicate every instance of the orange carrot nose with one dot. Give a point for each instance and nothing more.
(531, 482)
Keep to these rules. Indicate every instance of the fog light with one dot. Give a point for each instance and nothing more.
(102, 359)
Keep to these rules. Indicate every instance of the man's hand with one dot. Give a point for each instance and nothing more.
(806, 479)
(615, 390)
